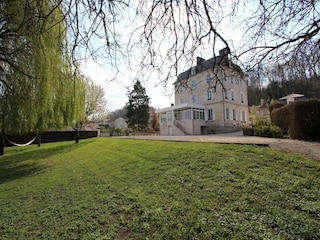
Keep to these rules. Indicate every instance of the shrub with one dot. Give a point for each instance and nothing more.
(301, 118)
(305, 120)
(268, 131)
(281, 118)
(276, 132)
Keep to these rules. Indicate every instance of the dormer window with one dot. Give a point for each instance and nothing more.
(193, 71)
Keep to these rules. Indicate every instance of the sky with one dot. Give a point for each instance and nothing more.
(116, 90)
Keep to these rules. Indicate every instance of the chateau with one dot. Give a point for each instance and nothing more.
(210, 97)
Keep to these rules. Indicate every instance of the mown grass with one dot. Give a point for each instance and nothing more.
(133, 189)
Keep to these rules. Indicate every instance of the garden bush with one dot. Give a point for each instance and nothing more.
(268, 131)
(306, 120)
(281, 118)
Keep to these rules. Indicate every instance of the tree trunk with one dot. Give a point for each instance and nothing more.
(2, 145)
(39, 139)
(77, 136)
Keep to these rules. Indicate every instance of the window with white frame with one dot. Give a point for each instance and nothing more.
(186, 114)
(232, 95)
(211, 114)
(180, 89)
(194, 98)
(198, 114)
(234, 114)
(227, 114)
(193, 84)
(241, 97)
(170, 116)
(182, 100)
(243, 115)
(163, 117)
(208, 78)
(209, 95)
(183, 115)
(193, 71)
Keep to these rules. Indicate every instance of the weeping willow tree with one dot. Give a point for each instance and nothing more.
(42, 90)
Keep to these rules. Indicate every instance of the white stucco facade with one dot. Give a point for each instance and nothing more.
(210, 98)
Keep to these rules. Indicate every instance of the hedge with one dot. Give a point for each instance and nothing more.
(300, 119)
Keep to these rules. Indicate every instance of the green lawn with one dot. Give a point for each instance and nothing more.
(134, 189)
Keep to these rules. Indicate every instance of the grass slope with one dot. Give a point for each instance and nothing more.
(132, 189)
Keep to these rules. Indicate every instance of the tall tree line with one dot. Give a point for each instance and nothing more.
(273, 82)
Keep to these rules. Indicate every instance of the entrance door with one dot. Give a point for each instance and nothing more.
(170, 131)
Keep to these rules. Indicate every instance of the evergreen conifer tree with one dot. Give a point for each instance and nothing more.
(138, 107)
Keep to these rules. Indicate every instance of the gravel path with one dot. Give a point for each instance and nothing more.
(309, 149)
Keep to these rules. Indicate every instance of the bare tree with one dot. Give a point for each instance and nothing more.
(173, 32)
(279, 30)
(168, 34)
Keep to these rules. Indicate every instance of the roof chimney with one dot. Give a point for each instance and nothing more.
(200, 60)
(223, 53)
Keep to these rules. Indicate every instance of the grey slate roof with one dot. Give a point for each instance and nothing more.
(209, 64)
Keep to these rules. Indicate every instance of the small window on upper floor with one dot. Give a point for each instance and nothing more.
(241, 97)
(208, 78)
(232, 96)
(209, 95)
(180, 89)
(193, 71)
(225, 94)
(193, 83)
(194, 98)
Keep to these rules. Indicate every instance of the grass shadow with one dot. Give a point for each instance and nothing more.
(19, 171)
(17, 164)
